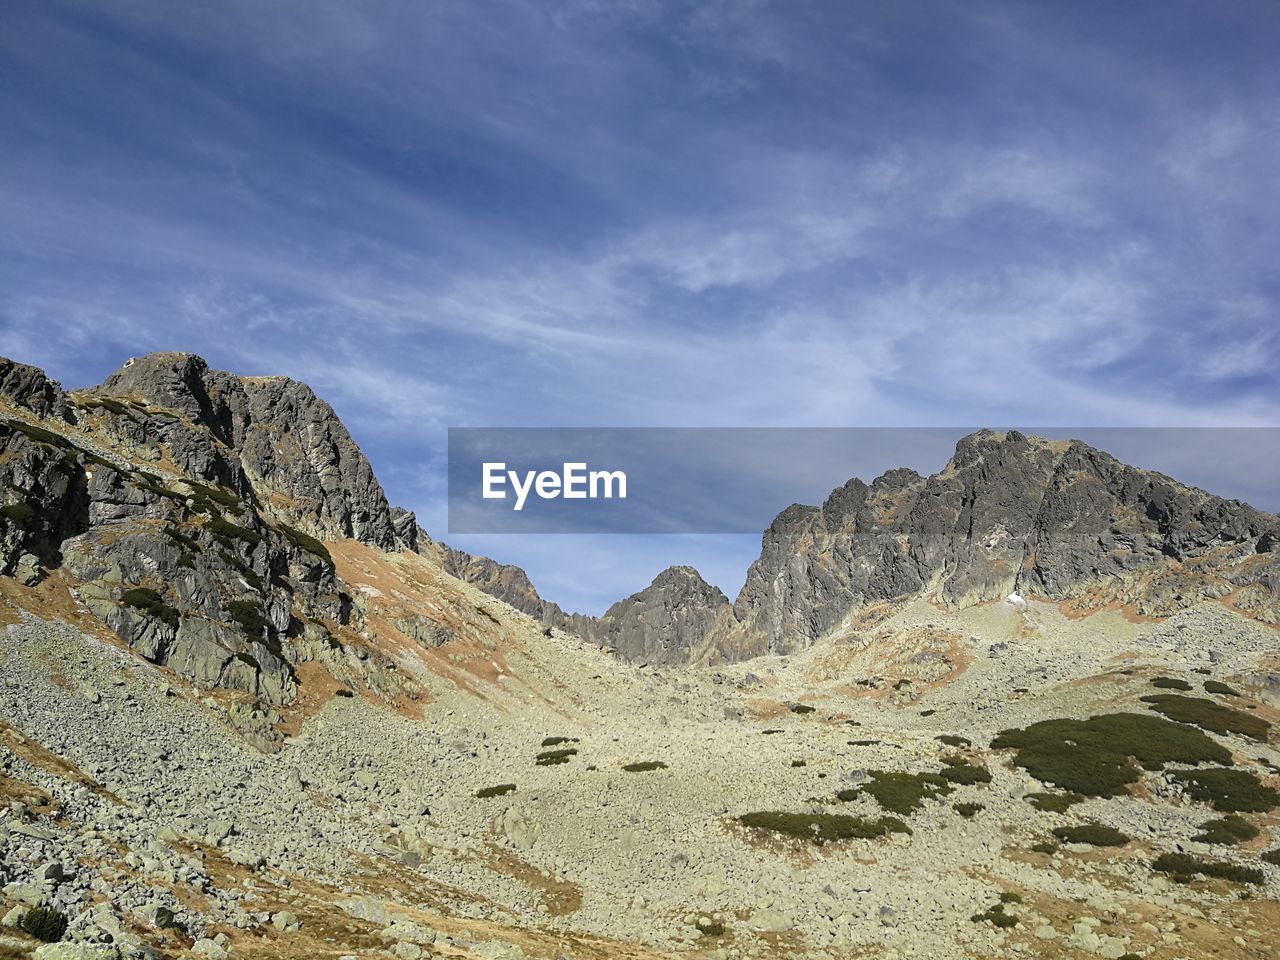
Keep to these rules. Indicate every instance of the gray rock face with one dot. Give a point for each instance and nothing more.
(663, 622)
(269, 434)
(28, 387)
(193, 575)
(1007, 513)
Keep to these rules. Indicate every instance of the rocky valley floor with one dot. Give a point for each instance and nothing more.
(504, 793)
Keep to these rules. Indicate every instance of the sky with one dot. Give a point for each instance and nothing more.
(643, 213)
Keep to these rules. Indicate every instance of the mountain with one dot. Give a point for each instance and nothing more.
(1056, 520)
(248, 709)
(173, 473)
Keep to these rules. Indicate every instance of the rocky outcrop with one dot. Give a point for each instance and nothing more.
(1056, 519)
(28, 387)
(664, 622)
(191, 574)
(270, 435)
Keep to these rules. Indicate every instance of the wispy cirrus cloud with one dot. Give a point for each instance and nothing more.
(652, 212)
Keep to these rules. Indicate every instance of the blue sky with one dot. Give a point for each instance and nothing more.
(634, 213)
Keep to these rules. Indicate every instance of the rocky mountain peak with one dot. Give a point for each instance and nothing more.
(272, 433)
(28, 387)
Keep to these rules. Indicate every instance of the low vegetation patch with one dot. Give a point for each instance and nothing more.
(904, 793)
(996, 916)
(550, 758)
(205, 496)
(823, 828)
(960, 771)
(1272, 856)
(968, 810)
(19, 514)
(1092, 757)
(41, 435)
(1184, 868)
(798, 763)
(250, 617)
(1170, 683)
(305, 541)
(1230, 829)
(644, 766)
(800, 708)
(1044, 847)
(180, 538)
(1094, 834)
(1231, 791)
(227, 533)
(1220, 688)
(1053, 802)
(954, 740)
(44, 923)
(500, 790)
(152, 604)
(556, 741)
(1209, 715)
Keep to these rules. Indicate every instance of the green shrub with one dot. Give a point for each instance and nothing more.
(960, 771)
(180, 538)
(1094, 834)
(554, 741)
(251, 618)
(967, 810)
(1183, 867)
(1231, 791)
(1043, 847)
(996, 916)
(41, 435)
(44, 923)
(1170, 683)
(1272, 856)
(1091, 756)
(218, 495)
(498, 791)
(19, 514)
(1053, 802)
(152, 604)
(550, 758)
(1216, 686)
(822, 828)
(305, 541)
(798, 763)
(954, 740)
(905, 793)
(1008, 896)
(1209, 715)
(1230, 829)
(800, 708)
(644, 766)
(227, 532)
